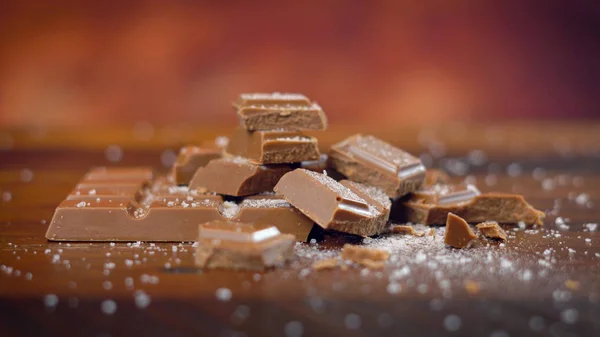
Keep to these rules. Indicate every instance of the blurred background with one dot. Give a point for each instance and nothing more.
(71, 63)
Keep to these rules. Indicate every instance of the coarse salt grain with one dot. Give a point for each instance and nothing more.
(108, 307)
(223, 294)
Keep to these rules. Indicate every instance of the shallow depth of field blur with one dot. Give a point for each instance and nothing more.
(71, 63)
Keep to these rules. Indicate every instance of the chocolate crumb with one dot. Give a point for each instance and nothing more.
(326, 264)
(405, 229)
(358, 253)
(491, 230)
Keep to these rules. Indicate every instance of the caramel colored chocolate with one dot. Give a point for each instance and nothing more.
(282, 116)
(326, 264)
(374, 197)
(329, 203)
(128, 174)
(435, 177)
(270, 98)
(235, 245)
(191, 158)
(491, 230)
(431, 207)
(405, 229)
(273, 147)
(369, 160)
(237, 176)
(159, 210)
(458, 233)
(367, 257)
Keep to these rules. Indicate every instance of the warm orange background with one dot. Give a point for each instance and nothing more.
(108, 62)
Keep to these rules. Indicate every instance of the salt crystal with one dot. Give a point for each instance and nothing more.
(108, 307)
(128, 262)
(141, 298)
(6, 196)
(592, 227)
(569, 316)
(114, 153)
(514, 170)
(548, 184)
(129, 282)
(50, 301)
(582, 199)
(394, 288)
(26, 175)
(28, 276)
(223, 294)
(107, 285)
(81, 204)
(229, 209)
(109, 265)
(352, 321)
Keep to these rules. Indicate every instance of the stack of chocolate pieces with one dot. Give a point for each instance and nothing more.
(248, 194)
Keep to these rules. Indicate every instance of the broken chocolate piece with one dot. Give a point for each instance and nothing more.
(435, 176)
(237, 176)
(282, 116)
(368, 257)
(458, 233)
(273, 147)
(374, 197)
(325, 264)
(405, 229)
(190, 159)
(432, 208)
(270, 98)
(235, 245)
(329, 203)
(369, 160)
(491, 230)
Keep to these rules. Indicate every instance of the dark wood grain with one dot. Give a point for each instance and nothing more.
(183, 301)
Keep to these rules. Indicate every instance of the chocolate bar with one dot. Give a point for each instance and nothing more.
(273, 147)
(369, 160)
(432, 205)
(191, 158)
(283, 116)
(458, 233)
(235, 245)
(110, 208)
(236, 176)
(329, 203)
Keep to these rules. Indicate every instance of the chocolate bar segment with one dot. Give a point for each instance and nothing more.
(236, 176)
(371, 161)
(273, 147)
(466, 202)
(284, 116)
(376, 198)
(270, 98)
(191, 158)
(329, 203)
(235, 245)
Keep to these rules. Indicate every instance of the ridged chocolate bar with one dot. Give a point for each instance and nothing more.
(190, 159)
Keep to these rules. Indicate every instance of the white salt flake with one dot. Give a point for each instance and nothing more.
(108, 307)
(223, 294)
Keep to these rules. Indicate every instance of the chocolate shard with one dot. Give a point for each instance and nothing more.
(235, 245)
(329, 203)
(405, 229)
(435, 177)
(369, 160)
(376, 198)
(431, 206)
(491, 230)
(270, 98)
(191, 158)
(236, 176)
(458, 233)
(273, 147)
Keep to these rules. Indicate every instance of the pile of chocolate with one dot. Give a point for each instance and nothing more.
(248, 200)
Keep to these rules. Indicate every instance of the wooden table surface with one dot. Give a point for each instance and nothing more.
(541, 282)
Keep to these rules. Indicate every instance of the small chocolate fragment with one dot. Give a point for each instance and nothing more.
(235, 245)
(374, 197)
(458, 233)
(491, 230)
(270, 98)
(273, 147)
(284, 116)
(436, 176)
(190, 159)
(369, 160)
(329, 203)
(326, 264)
(368, 257)
(431, 206)
(405, 229)
(237, 176)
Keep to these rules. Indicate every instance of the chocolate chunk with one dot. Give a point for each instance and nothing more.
(329, 203)
(237, 176)
(191, 158)
(491, 230)
(273, 147)
(458, 233)
(283, 116)
(159, 210)
(235, 245)
(374, 197)
(369, 160)
(368, 257)
(435, 176)
(405, 229)
(431, 206)
(270, 98)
